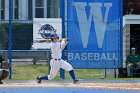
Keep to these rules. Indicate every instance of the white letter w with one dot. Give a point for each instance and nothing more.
(85, 22)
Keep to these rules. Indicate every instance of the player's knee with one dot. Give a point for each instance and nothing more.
(4, 74)
(50, 77)
(70, 68)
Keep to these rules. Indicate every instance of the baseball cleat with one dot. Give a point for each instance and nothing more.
(75, 81)
(38, 80)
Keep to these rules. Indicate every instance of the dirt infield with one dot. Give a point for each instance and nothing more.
(101, 85)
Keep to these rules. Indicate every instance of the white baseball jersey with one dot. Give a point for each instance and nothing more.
(56, 62)
(56, 49)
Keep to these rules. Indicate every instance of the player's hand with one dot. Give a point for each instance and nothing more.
(138, 63)
(65, 40)
(129, 63)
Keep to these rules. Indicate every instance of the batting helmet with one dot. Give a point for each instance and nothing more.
(54, 36)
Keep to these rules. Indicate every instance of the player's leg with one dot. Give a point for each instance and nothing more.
(55, 66)
(54, 70)
(129, 70)
(3, 75)
(65, 65)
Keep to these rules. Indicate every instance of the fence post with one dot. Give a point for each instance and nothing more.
(48, 60)
(34, 60)
(121, 32)
(62, 15)
(10, 38)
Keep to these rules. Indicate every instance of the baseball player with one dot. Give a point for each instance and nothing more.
(56, 62)
(4, 66)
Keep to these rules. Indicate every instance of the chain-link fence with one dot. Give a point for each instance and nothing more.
(29, 64)
(26, 62)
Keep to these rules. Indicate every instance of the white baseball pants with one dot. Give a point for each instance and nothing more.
(56, 65)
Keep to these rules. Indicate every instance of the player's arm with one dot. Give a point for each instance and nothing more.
(64, 42)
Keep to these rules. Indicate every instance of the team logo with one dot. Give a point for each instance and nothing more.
(46, 31)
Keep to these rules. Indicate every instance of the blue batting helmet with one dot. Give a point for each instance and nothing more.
(54, 36)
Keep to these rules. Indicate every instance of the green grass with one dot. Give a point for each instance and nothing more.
(30, 72)
(87, 73)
